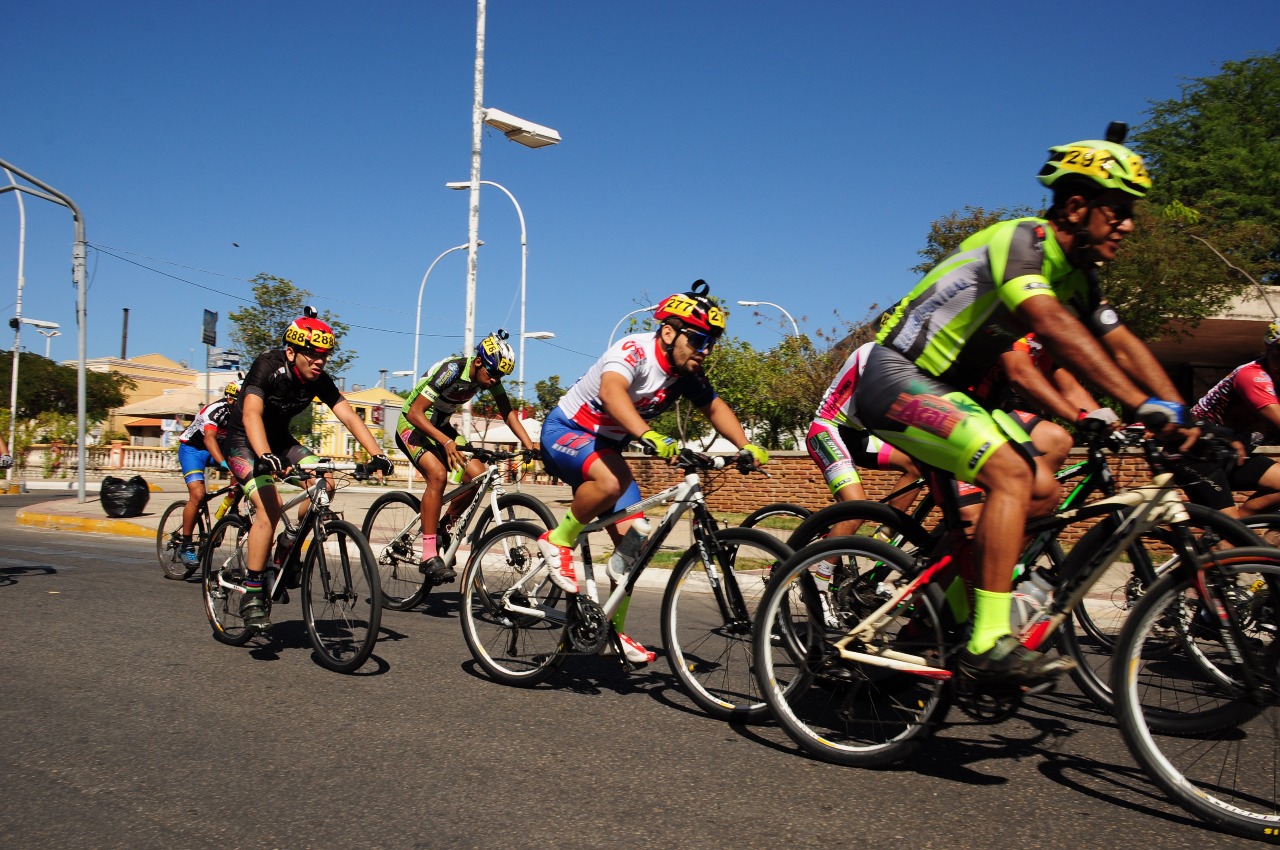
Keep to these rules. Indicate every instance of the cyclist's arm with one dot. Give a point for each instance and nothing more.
(211, 445)
(1073, 391)
(512, 418)
(1027, 377)
(255, 430)
(1136, 359)
(616, 401)
(725, 421)
(347, 416)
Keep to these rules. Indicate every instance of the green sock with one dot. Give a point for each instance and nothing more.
(566, 533)
(620, 616)
(990, 619)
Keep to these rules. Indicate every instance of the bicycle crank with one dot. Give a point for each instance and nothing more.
(588, 626)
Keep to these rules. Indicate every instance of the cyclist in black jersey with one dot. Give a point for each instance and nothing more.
(279, 386)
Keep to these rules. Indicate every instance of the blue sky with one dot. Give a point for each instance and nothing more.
(794, 153)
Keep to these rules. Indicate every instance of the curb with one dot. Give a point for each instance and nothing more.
(83, 524)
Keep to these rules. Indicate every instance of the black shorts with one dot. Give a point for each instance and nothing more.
(1214, 484)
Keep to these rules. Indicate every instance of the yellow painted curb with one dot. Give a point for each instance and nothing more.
(84, 524)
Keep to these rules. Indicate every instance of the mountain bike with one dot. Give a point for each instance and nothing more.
(328, 561)
(520, 627)
(393, 524)
(869, 689)
(169, 533)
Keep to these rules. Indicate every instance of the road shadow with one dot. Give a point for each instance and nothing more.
(12, 575)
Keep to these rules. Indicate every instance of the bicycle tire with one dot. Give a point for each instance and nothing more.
(848, 712)
(341, 597)
(224, 558)
(888, 521)
(517, 649)
(169, 537)
(706, 627)
(512, 507)
(1089, 638)
(779, 519)
(393, 527)
(1218, 761)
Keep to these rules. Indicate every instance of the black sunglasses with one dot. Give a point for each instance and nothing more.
(700, 340)
(1118, 213)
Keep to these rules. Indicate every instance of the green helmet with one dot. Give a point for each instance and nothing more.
(1106, 165)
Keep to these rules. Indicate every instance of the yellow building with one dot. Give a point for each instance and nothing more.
(153, 374)
(377, 407)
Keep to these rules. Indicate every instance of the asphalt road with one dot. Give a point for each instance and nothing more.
(126, 725)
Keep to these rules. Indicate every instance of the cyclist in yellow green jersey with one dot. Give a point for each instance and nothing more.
(1028, 275)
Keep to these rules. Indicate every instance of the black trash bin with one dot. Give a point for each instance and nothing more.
(122, 498)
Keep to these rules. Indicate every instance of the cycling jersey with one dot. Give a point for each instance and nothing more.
(272, 379)
(449, 385)
(1235, 402)
(959, 319)
(211, 415)
(651, 386)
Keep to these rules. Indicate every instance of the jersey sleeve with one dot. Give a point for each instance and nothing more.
(259, 376)
(327, 391)
(1255, 387)
(1017, 263)
(441, 377)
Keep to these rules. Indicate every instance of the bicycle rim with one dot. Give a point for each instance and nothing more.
(778, 520)
(513, 618)
(393, 528)
(168, 542)
(848, 712)
(341, 599)
(222, 571)
(706, 624)
(1202, 738)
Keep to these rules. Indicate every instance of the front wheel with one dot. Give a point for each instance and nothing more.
(169, 540)
(341, 598)
(875, 707)
(707, 614)
(513, 618)
(778, 519)
(393, 527)
(1204, 722)
(222, 573)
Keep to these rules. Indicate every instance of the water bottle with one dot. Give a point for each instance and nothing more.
(284, 543)
(455, 476)
(1029, 596)
(222, 508)
(624, 558)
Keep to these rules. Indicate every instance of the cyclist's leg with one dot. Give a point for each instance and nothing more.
(1262, 476)
(261, 490)
(193, 462)
(828, 446)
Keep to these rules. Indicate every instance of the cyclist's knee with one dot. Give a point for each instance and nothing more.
(1007, 471)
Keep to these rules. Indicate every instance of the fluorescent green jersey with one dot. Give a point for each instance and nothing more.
(959, 319)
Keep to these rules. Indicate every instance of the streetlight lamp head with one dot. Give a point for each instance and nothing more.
(748, 303)
(39, 323)
(539, 335)
(402, 373)
(519, 130)
(458, 184)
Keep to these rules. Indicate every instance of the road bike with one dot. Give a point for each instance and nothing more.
(328, 560)
(393, 524)
(520, 627)
(869, 688)
(169, 533)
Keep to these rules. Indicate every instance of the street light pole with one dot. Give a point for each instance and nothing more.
(17, 329)
(417, 322)
(627, 316)
(794, 326)
(78, 275)
(48, 338)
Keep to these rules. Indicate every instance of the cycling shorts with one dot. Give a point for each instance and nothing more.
(414, 443)
(932, 422)
(839, 450)
(193, 462)
(568, 453)
(1214, 484)
(241, 461)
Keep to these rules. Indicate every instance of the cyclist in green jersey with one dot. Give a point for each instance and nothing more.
(1029, 275)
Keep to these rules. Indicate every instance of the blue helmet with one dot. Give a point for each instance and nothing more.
(495, 353)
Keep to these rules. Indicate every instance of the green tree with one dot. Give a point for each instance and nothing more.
(946, 233)
(549, 393)
(47, 387)
(260, 326)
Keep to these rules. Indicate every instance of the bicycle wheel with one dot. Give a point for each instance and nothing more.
(341, 598)
(1207, 740)
(878, 520)
(851, 711)
(513, 617)
(707, 614)
(393, 528)
(169, 540)
(778, 520)
(222, 570)
(1096, 621)
(515, 506)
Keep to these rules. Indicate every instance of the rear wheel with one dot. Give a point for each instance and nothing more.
(513, 618)
(169, 541)
(515, 506)
(778, 520)
(222, 573)
(341, 599)
(707, 616)
(393, 528)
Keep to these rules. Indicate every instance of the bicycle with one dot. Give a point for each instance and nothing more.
(869, 689)
(329, 560)
(520, 627)
(393, 525)
(1198, 687)
(169, 533)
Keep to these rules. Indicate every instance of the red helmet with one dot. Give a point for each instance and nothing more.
(310, 334)
(693, 308)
